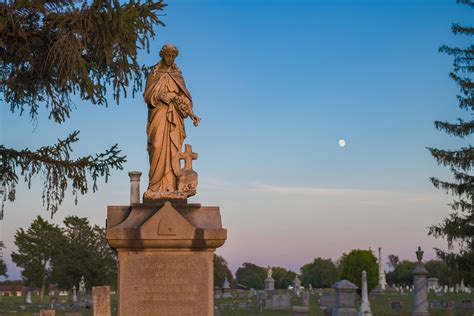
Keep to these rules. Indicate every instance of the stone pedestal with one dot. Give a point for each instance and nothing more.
(165, 256)
(420, 289)
(420, 292)
(269, 284)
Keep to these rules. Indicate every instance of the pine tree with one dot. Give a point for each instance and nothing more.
(458, 227)
(51, 50)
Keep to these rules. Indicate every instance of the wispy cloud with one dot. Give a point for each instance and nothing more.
(359, 195)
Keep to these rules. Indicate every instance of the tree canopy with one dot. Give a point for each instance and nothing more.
(3, 266)
(53, 50)
(50, 254)
(86, 253)
(38, 247)
(221, 271)
(321, 273)
(458, 227)
(355, 262)
(251, 275)
(282, 277)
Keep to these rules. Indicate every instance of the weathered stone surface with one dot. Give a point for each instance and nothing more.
(47, 312)
(169, 103)
(345, 299)
(101, 301)
(278, 301)
(165, 257)
(420, 292)
(166, 283)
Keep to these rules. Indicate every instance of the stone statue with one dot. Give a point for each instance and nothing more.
(269, 272)
(169, 103)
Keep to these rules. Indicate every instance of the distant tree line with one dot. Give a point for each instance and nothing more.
(50, 254)
(324, 272)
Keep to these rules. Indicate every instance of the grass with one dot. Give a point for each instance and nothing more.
(11, 305)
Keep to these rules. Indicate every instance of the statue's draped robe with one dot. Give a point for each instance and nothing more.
(165, 128)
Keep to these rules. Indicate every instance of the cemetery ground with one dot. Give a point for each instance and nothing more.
(243, 303)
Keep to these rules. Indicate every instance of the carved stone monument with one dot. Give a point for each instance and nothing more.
(420, 292)
(166, 245)
(269, 281)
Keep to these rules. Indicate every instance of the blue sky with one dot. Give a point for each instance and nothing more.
(277, 84)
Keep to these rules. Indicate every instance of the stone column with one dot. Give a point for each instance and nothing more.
(382, 281)
(420, 293)
(345, 299)
(134, 186)
(365, 304)
(166, 257)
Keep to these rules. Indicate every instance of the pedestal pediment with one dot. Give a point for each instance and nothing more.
(167, 223)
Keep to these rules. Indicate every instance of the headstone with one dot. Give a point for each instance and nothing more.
(396, 306)
(74, 294)
(101, 301)
(437, 305)
(345, 299)
(82, 290)
(47, 312)
(300, 310)
(306, 299)
(28, 297)
(327, 302)
(432, 284)
(226, 289)
(420, 293)
(278, 301)
(297, 286)
(311, 290)
(467, 305)
(365, 304)
(226, 284)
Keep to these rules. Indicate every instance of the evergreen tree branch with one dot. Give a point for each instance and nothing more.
(54, 163)
(462, 129)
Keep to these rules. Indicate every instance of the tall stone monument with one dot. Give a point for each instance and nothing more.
(420, 292)
(166, 245)
(365, 304)
(382, 281)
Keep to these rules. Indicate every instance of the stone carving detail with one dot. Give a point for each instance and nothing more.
(166, 226)
(169, 103)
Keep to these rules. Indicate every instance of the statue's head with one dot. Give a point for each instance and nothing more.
(168, 53)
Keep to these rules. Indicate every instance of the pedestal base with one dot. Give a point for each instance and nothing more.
(166, 283)
(165, 257)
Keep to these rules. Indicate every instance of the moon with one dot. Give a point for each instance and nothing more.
(341, 143)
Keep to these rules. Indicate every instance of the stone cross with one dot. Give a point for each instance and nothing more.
(188, 156)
